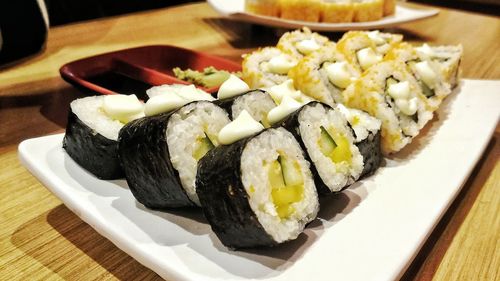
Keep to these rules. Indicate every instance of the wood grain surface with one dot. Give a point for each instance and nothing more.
(40, 239)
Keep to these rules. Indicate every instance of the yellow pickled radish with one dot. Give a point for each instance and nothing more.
(287, 185)
(342, 152)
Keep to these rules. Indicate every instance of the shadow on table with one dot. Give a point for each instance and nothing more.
(27, 116)
(38, 240)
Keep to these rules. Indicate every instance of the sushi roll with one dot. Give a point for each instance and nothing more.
(366, 132)
(426, 71)
(327, 140)
(257, 191)
(302, 42)
(364, 49)
(266, 67)
(389, 7)
(448, 57)
(301, 10)
(389, 92)
(263, 7)
(257, 103)
(160, 153)
(323, 75)
(91, 137)
(337, 11)
(368, 10)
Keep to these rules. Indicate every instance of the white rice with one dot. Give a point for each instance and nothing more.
(334, 175)
(255, 71)
(264, 149)
(256, 103)
(89, 111)
(184, 127)
(368, 94)
(361, 122)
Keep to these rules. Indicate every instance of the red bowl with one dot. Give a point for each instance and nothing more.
(133, 71)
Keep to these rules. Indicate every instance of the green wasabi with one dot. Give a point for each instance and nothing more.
(208, 78)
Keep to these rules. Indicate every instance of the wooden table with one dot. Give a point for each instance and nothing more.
(41, 239)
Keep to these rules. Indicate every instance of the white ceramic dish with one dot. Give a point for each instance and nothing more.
(371, 231)
(234, 9)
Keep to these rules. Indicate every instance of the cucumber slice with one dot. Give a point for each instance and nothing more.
(428, 92)
(204, 145)
(337, 150)
(342, 152)
(326, 142)
(291, 171)
(287, 185)
(275, 175)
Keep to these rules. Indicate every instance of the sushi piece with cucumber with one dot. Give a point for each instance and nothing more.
(257, 191)
(326, 137)
(235, 95)
(366, 133)
(91, 137)
(257, 103)
(160, 153)
(390, 93)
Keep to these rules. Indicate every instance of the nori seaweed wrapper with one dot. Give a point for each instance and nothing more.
(291, 124)
(91, 150)
(145, 158)
(371, 152)
(225, 201)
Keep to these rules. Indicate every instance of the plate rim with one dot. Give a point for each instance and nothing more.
(389, 21)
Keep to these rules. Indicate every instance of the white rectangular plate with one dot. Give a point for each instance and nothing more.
(235, 9)
(371, 231)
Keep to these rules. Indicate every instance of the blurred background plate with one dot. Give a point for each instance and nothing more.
(234, 9)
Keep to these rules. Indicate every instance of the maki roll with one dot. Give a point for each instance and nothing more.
(336, 11)
(323, 75)
(426, 71)
(234, 96)
(368, 10)
(91, 137)
(160, 153)
(389, 7)
(366, 132)
(301, 10)
(263, 7)
(300, 43)
(266, 67)
(389, 92)
(327, 139)
(257, 103)
(448, 57)
(364, 49)
(257, 191)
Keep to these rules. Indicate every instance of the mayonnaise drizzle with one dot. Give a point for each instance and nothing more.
(233, 86)
(243, 126)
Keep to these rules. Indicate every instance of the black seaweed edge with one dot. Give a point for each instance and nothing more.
(91, 150)
(145, 158)
(370, 149)
(291, 124)
(224, 199)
